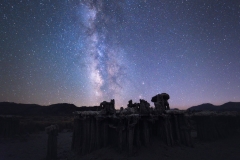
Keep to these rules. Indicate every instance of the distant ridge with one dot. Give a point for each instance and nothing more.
(10, 108)
(229, 106)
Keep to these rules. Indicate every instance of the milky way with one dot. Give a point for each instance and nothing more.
(87, 51)
(103, 57)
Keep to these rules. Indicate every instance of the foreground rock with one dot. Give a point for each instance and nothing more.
(130, 128)
(9, 125)
(212, 125)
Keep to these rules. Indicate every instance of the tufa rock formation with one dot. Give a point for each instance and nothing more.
(212, 125)
(52, 132)
(161, 102)
(130, 128)
(9, 125)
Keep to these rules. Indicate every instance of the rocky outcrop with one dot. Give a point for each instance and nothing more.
(52, 132)
(9, 125)
(128, 130)
(161, 102)
(216, 125)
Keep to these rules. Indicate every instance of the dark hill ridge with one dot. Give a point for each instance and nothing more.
(229, 106)
(8, 108)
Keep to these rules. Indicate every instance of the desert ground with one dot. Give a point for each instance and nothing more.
(34, 147)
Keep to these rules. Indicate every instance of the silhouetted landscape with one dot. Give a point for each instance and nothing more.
(229, 106)
(65, 131)
(61, 109)
(92, 79)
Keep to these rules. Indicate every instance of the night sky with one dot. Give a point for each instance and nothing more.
(84, 52)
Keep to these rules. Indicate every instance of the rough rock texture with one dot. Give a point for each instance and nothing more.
(216, 125)
(9, 126)
(139, 124)
(52, 132)
(161, 102)
(130, 131)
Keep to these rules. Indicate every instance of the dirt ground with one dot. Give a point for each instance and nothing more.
(34, 147)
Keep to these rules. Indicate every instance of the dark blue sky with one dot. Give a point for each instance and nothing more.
(84, 52)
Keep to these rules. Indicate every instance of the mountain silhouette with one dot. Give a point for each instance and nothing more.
(229, 106)
(10, 108)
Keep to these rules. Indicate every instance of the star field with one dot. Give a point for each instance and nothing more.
(87, 51)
